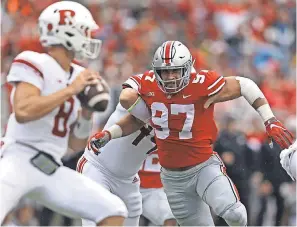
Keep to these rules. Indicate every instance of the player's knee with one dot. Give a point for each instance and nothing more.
(236, 215)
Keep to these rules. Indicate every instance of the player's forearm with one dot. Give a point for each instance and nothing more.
(262, 107)
(81, 131)
(255, 97)
(126, 126)
(77, 144)
(129, 124)
(36, 107)
(241, 86)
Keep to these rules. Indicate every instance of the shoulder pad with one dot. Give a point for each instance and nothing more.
(210, 81)
(32, 59)
(133, 82)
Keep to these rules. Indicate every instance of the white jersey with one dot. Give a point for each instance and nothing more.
(124, 156)
(51, 132)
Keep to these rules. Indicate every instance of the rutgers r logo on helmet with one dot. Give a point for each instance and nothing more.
(69, 24)
(64, 15)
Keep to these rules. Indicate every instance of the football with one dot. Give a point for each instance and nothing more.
(95, 97)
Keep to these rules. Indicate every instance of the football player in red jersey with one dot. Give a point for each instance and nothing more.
(180, 105)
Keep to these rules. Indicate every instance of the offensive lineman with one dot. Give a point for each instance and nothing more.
(44, 122)
(116, 165)
(180, 107)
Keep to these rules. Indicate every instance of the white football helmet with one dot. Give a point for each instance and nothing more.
(172, 55)
(69, 24)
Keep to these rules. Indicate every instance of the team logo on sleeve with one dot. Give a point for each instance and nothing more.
(150, 94)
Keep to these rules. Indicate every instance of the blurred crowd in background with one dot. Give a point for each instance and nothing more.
(250, 38)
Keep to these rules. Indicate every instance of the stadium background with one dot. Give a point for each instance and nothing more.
(251, 38)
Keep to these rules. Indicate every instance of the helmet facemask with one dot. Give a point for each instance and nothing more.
(90, 48)
(173, 86)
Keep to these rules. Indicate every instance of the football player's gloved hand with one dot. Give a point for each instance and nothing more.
(277, 132)
(286, 158)
(98, 140)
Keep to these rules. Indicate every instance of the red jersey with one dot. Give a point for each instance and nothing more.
(184, 130)
(150, 172)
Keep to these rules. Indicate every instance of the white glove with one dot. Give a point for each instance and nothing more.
(286, 158)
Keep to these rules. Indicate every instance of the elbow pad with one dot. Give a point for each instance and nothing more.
(249, 89)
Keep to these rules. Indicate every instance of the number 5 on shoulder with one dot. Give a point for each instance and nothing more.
(199, 79)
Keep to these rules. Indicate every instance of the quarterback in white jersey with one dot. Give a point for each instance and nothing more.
(45, 121)
(116, 165)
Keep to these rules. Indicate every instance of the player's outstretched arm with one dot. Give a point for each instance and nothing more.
(124, 127)
(134, 104)
(241, 86)
(29, 105)
(133, 121)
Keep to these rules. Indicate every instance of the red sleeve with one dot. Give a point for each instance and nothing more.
(213, 83)
(148, 83)
(133, 82)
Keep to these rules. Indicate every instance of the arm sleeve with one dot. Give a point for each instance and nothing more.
(140, 110)
(23, 71)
